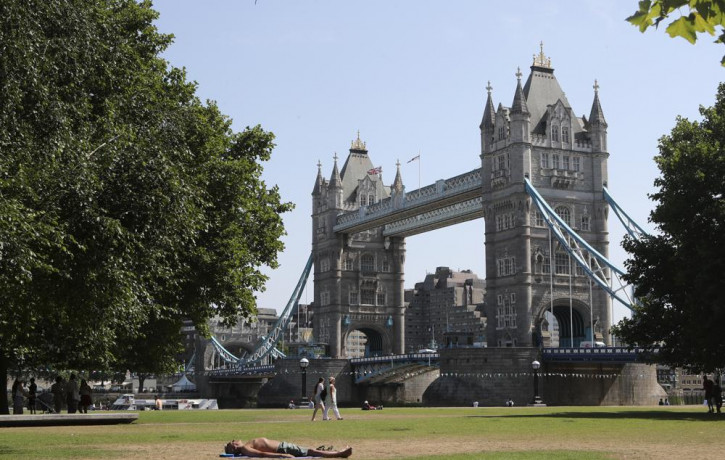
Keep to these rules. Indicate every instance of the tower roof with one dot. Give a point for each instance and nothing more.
(541, 90)
(356, 166)
(335, 180)
(519, 104)
(319, 181)
(398, 182)
(487, 121)
(596, 115)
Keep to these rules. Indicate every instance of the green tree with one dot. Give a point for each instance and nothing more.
(126, 204)
(695, 17)
(678, 274)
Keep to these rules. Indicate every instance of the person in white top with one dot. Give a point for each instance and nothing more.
(331, 401)
(319, 399)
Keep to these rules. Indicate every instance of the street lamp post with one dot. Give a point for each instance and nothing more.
(304, 362)
(537, 399)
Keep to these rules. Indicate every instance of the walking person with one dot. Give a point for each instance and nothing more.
(319, 398)
(73, 396)
(58, 390)
(331, 400)
(85, 393)
(32, 394)
(707, 386)
(18, 392)
(717, 394)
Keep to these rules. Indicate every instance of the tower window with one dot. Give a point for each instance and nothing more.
(585, 223)
(565, 134)
(367, 263)
(575, 164)
(555, 158)
(564, 213)
(538, 219)
(545, 160)
(367, 297)
(562, 263)
(381, 298)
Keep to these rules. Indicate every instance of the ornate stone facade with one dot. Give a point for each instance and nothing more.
(358, 277)
(565, 157)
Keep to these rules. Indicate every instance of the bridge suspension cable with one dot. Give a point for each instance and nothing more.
(593, 263)
(266, 344)
(634, 230)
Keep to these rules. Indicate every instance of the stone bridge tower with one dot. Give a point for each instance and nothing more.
(358, 278)
(565, 156)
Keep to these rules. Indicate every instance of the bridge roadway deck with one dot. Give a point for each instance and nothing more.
(438, 205)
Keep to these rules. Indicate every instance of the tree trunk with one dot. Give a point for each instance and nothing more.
(141, 380)
(4, 407)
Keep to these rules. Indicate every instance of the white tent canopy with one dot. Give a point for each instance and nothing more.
(183, 384)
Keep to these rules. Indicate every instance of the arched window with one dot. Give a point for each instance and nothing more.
(367, 263)
(562, 263)
(564, 213)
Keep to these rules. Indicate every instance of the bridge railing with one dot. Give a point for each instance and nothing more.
(268, 369)
(394, 358)
(617, 354)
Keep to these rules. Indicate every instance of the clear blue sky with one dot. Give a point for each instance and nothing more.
(411, 76)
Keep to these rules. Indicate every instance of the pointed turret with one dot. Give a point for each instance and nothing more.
(520, 115)
(597, 115)
(398, 182)
(597, 123)
(487, 123)
(335, 180)
(518, 106)
(334, 198)
(319, 181)
(488, 111)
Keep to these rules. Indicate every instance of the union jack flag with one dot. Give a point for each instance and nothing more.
(375, 171)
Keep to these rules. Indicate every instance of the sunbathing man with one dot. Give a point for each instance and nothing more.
(263, 447)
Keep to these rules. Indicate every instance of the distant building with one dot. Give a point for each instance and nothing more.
(446, 310)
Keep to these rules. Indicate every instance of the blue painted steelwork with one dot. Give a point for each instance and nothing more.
(593, 263)
(634, 230)
(266, 344)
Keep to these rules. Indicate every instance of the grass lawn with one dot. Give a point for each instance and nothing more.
(420, 433)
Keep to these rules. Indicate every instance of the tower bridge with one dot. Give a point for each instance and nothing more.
(533, 284)
(541, 191)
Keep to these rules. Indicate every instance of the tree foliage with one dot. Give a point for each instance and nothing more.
(126, 204)
(678, 274)
(699, 16)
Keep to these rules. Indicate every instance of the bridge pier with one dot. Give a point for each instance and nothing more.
(491, 376)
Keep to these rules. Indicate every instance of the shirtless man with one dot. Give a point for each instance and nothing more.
(263, 447)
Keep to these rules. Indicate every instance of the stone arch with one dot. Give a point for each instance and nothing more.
(377, 340)
(579, 321)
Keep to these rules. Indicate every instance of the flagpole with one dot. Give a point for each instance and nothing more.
(418, 169)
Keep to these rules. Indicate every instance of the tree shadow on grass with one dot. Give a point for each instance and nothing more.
(614, 415)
